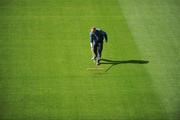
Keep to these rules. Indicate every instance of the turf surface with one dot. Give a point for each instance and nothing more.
(45, 67)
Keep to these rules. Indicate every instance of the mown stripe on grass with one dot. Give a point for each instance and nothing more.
(154, 25)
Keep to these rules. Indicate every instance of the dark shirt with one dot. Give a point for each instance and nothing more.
(98, 36)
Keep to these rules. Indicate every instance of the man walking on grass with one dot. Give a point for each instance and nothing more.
(96, 42)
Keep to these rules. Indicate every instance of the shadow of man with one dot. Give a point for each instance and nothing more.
(107, 61)
(116, 62)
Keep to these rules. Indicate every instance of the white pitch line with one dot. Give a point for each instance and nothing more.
(95, 68)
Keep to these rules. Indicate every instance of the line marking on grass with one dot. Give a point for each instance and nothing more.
(95, 68)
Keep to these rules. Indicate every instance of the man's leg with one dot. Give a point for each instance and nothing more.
(99, 50)
(94, 52)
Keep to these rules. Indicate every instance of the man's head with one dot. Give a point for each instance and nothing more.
(93, 29)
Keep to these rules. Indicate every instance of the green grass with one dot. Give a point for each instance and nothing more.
(45, 56)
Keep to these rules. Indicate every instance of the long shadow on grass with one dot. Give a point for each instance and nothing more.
(117, 62)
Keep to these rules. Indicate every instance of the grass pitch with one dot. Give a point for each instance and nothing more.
(45, 67)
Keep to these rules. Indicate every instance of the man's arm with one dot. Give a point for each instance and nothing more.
(105, 35)
(91, 40)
